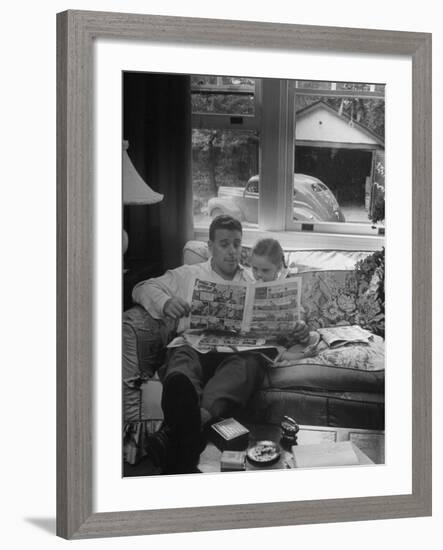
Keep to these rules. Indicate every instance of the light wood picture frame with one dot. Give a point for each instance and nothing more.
(76, 32)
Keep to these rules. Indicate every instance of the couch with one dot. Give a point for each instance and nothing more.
(342, 387)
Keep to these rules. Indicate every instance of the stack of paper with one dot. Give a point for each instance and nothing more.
(342, 335)
(325, 454)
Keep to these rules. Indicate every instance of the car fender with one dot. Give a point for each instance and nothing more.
(304, 212)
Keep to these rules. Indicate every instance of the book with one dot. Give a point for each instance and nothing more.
(339, 336)
(245, 314)
(229, 435)
(340, 453)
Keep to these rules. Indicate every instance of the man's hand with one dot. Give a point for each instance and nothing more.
(176, 308)
(301, 332)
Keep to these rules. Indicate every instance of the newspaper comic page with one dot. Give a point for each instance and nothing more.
(218, 307)
(272, 309)
(263, 310)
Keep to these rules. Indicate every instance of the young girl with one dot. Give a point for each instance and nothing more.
(268, 261)
(268, 264)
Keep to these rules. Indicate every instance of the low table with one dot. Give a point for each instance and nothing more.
(369, 445)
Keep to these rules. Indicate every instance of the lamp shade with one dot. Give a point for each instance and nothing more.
(135, 190)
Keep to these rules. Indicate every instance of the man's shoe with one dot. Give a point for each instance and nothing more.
(162, 449)
(181, 408)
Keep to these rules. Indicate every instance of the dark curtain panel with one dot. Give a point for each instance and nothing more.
(157, 124)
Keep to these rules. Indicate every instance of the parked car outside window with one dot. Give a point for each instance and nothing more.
(313, 201)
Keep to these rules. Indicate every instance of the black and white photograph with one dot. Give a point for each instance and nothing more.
(240, 180)
(252, 145)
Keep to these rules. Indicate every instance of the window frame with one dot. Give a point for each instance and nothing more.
(274, 121)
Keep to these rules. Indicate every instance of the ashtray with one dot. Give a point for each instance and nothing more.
(263, 453)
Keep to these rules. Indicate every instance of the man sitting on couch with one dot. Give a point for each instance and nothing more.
(198, 388)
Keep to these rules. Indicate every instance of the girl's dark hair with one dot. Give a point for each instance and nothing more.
(272, 249)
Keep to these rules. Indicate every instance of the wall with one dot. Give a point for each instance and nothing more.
(322, 125)
(28, 346)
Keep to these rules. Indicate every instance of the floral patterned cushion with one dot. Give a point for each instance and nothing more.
(331, 298)
(362, 357)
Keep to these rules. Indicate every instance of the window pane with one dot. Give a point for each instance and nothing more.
(242, 82)
(338, 140)
(313, 84)
(223, 163)
(223, 94)
(236, 82)
(357, 86)
(305, 85)
(203, 80)
(230, 104)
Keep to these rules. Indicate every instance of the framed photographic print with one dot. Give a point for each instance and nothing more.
(167, 126)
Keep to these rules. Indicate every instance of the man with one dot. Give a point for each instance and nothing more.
(198, 389)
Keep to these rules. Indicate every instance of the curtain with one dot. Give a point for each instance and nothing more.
(157, 124)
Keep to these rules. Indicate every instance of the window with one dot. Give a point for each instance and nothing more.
(225, 148)
(287, 155)
(223, 161)
(223, 95)
(339, 135)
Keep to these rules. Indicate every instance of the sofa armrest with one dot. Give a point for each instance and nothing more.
(144, 342)
(142, 416)
(143, 348)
